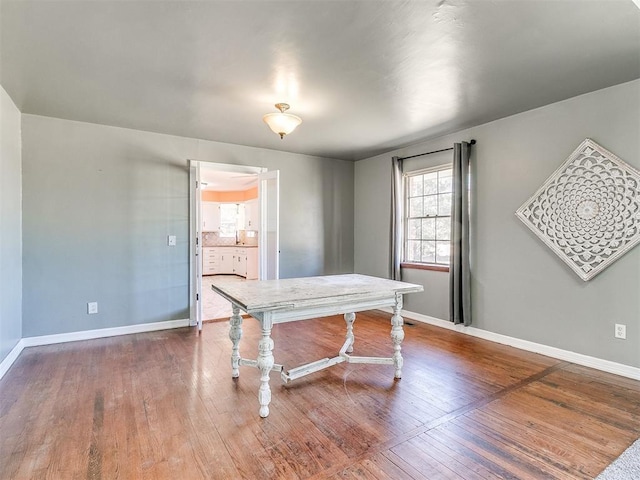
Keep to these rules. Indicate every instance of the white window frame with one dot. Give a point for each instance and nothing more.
(406, 220)
(222, 232)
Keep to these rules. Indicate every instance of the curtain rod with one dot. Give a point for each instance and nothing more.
(471, 142)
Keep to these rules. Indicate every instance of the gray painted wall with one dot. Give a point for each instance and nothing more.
(10, 226)
(100, 201)
(520, 288)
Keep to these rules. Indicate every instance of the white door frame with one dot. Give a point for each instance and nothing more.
(269, 234)
(195, 242)
(195, 216)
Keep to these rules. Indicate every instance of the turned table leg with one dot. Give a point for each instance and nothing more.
(265, 364)
(235, 334)
(349, 318)
(397, 335)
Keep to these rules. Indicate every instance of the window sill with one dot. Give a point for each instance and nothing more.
(425, 266)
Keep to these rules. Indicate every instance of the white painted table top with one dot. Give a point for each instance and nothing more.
(297, 293)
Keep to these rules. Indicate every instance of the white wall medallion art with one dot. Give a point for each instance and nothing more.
(588, 211)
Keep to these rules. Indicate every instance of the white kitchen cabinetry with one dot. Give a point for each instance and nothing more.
(217, 260)
(241, 261)
(251, 215)
(252, 264)
(246, 262)
(226, 260)
(210, 217)
(209, 261)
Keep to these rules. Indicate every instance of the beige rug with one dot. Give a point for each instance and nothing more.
(625, 467)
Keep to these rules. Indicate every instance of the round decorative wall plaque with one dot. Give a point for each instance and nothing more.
(588, 211)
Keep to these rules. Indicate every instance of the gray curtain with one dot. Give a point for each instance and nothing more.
(397, 208)
(459, 268)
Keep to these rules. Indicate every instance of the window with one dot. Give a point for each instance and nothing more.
(428, 216)
(231, 219)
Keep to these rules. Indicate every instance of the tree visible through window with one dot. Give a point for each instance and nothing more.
(428, 215)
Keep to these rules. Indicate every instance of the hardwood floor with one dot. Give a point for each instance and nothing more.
(162, 405)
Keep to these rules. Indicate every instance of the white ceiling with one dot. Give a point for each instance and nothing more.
(365, 76)
(217, 180)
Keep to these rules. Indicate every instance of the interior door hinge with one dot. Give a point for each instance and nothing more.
(197, 296)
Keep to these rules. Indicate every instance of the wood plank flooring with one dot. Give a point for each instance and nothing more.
(162, 405)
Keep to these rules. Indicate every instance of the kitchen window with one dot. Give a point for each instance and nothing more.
(231, 219)
(428, 217)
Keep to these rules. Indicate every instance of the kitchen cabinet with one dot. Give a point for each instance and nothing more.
(226, 260)
(209, 261)
(241, 261)
(246, 262)
(252, 215)
(217, 260)
(210, 216)
(252, 264)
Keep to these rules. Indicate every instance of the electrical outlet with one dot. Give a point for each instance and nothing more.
(92, 307)
(171, 240)
(620, 331)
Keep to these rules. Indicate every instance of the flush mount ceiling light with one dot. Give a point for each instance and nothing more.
(282, 123)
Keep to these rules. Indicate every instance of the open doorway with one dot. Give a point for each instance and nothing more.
(230, 227)
(234, 231)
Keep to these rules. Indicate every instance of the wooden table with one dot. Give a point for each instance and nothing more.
(278, 301)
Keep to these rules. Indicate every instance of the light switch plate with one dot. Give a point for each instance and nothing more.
(92, 307)
(171, 240)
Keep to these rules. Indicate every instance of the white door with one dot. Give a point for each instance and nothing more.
(269, 238)
(195, 245)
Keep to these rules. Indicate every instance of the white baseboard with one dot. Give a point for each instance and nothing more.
(573, 357)
(103, 332)
(86, 335)
(11, 357)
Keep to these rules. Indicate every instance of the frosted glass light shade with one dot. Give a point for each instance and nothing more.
(282, 123)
